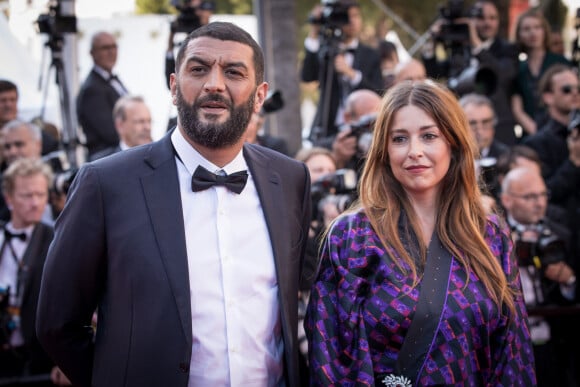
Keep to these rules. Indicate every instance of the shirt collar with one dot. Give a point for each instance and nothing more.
(26, 230)
(102, 72)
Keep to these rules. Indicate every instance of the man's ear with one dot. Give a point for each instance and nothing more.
(547, 98)
(260, 96)
(173, 88)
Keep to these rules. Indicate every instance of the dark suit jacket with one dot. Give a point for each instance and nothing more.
(314, 68)
(33, 260)
(120, 246)
(105, 152)
(95, 103)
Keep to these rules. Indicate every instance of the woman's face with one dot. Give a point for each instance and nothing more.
(320, 165)
(419, 154)
(531, 32)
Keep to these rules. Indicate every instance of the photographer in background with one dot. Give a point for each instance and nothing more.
(339, 62)
(353, 140)
(192, 15)
(542, 248)
(482, 45)
(24, 242)
(482, 121)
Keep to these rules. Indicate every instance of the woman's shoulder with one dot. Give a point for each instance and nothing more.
(350, 220)
(553, 58)
(498, 237)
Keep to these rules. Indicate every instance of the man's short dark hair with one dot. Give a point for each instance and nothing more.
(6, 85)
(226, 32)
(545, 84)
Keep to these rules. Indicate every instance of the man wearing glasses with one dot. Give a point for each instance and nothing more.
(548, 280)
(482, 121)
(559, 91)
(98, 95)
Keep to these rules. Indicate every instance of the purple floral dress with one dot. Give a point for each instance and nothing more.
(361, 307)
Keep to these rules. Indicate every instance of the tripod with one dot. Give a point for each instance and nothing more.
(328, 51)
(68, 134)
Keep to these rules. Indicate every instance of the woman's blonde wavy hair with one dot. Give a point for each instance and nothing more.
(461, 219)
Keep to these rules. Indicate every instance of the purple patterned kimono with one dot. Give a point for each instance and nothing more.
(362, 305)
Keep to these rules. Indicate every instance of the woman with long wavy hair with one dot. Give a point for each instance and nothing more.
(417, 285)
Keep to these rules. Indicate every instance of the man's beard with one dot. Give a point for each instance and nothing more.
(214, 135)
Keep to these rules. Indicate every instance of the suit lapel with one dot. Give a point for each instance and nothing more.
(271, 195)
(161, 189)
(30, 257)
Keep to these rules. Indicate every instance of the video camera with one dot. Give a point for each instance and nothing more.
(454, 32)
(334, 15)
(56, 21)
(338, 188)
(464, 76)
(187, 19)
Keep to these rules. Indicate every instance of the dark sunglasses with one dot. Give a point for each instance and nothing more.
(567, 89)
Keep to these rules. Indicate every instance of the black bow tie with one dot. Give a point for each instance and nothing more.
(203, 179)
(9, 235)
(113, 78)
(349, 50)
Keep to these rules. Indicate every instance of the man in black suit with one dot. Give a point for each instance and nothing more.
(98, 94)
(352, 65)
(195, 283)
(24, 242)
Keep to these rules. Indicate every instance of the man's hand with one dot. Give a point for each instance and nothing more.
(559, 272)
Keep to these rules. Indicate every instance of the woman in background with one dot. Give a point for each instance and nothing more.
(533, 39)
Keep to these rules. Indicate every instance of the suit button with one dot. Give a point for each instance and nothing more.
(183, 367)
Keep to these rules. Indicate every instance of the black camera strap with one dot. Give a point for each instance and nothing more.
(423, 328)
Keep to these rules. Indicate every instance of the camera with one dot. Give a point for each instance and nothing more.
(339, 187)
(273, 102)
(56, 22)
(548, 248)
(187, 19)
(63, 173)
(334, 14)
(363, 131)
(453, 32)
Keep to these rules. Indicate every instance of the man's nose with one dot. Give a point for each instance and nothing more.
(214, 81)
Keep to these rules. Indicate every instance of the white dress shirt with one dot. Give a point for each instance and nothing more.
(115, 82)
(237, 338)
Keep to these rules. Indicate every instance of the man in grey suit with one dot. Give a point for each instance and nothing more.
(195, 279)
